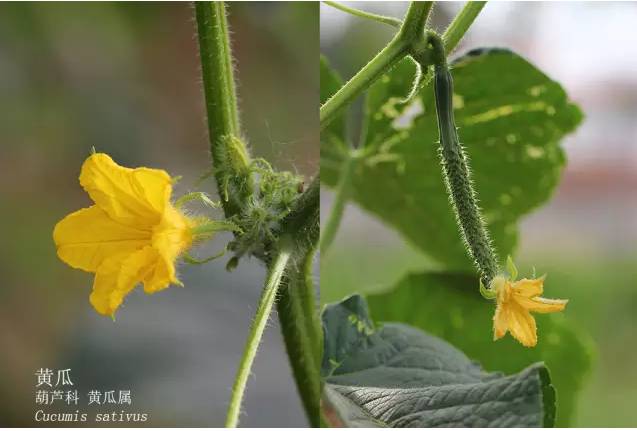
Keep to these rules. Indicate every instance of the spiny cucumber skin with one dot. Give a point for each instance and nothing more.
(458, 180)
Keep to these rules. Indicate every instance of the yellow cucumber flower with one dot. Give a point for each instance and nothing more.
(515, 302)
(132, 234)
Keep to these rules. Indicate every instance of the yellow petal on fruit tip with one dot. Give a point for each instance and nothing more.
(528, 288)
(542, 305)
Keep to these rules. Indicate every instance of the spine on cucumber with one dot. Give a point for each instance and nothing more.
(458, 180)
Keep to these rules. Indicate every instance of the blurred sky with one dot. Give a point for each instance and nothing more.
(124, 78)
(585, 236)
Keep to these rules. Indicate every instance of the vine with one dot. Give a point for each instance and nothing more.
(276, 223)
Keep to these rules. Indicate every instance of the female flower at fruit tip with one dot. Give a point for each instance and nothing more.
(515, 301)
(132, 234)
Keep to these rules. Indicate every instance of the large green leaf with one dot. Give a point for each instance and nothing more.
(511, 118)
(450, 307)
(399, 376)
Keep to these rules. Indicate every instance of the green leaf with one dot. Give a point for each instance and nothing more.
(449, 306)
(511, 118)
(399, 376)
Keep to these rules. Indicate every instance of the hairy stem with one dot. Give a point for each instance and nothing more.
(384, 60)
(415, 20)
(264, 309)
(451, 37)
(461, 23)
(229, 154)
(298, 318)
(296, 306)
(343, 190)
(308, 296)
(367, 15)
(410, 31)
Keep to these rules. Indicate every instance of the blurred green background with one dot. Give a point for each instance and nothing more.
(124, 78)
(585, 237)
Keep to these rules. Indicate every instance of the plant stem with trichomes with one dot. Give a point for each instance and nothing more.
(363, 14)
(230, 156)
(268, 297)
(299, 234)
(460, 24)
(393, 52)
(411, 29)
(296, 306)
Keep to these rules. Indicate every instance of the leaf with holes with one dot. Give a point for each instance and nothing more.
(449, 306)
(399, 376)
(511, 119)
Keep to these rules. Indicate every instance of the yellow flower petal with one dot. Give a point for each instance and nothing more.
(131, 196)
(117, 276)
(542, 305)
(161, 277)
(528, 288)
(88, 236)
(500, 324)
(172, 237)
(515, 300)
(132, 234)
(521, 324)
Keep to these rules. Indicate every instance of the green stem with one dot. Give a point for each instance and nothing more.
(296, 306)
(415, 20)
(216, 62)
(367, 15)
(384, 60)
(305, 296)
(461, 23)
(264, 309)
(343, 191)
(451, 37)
(410, 32)
(230, 156)
(298, 318)
(309, 308)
